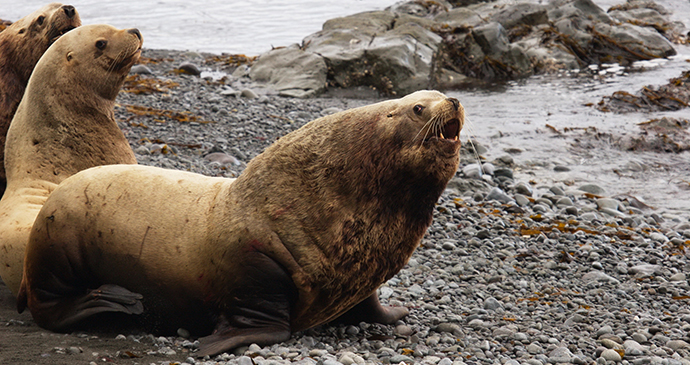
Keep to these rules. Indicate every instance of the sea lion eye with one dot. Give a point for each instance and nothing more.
(418, 109)
(100, 44)
(40, 20)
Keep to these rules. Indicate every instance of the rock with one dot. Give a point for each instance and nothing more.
(611, 355)
(643, 270)
(633, 348)
(677, 277)
(603, 203)
(291, 71)
(522, 14)
(523, 189)
(140, 70)
(364, 50)
(521, 200)
(222, 158)
(599, 276)
(249, 94)
(492, 304)
(499, 195)
(592, 189)
(560, 355)
(472, 171)
(190, 69)
(677, 344)
(403, 330)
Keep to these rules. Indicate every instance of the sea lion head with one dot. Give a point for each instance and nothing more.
(95, 58)
(29, 37)
(402, 142)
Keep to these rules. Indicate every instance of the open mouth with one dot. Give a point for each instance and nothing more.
(450, 130)
(60, 32)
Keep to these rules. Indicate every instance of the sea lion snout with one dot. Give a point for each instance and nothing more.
(455, 102)
(69, 10)
(135, 31)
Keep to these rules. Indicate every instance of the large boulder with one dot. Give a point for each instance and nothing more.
(372, 49)
(291, 72)
(420, 44)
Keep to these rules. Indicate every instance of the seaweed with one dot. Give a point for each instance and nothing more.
(136, 84)
(182, 117)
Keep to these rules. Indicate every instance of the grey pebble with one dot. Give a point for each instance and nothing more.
(592, 189)
(140, 70)
(521, 200)
(611, 355)
(190, 68)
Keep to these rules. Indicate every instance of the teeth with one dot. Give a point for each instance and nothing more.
(456, 138)
(442, 136)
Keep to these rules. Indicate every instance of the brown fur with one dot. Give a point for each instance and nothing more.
(64, 124)
(21, 46)
(310, 229)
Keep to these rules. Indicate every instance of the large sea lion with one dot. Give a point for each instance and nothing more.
(306, 234)
(21, 46)
(64, 124)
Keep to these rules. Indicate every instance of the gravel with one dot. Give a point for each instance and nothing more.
(508, 273)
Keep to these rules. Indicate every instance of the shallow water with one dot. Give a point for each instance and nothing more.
(218, 26)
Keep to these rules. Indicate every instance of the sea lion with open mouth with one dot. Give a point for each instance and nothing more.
(304, 236)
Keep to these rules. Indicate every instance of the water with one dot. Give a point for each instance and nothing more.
(218, 26)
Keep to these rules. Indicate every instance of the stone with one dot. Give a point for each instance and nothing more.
(190, 69)
(607, 203)
(560, 355)
(499, 195)
(521, 200)
(600, 277)
(592, 189)
(611, 355)
(291, 71)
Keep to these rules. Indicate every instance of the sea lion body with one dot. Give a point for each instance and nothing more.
(21, 46)
(305, 235)
(64, 124)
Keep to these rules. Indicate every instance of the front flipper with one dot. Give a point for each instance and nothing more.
(370, 310)
(259, 311)
(60, 313)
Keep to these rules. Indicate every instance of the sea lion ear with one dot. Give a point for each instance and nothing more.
(390, 115)
(69, 56)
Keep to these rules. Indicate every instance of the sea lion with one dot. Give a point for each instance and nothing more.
(21, 46)
(65, 123)
(304, 235)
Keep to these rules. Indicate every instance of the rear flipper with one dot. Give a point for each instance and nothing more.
(230, 338)
(370, 310)
(60, 313)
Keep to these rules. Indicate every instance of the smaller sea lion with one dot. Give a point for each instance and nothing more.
(305, 235)
(65, 123)
(21, 46)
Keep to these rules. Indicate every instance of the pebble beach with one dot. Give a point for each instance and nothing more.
(510, 272)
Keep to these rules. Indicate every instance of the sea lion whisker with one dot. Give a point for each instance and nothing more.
(426, 133)
(469, 128)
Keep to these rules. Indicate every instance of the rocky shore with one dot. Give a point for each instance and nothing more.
(512, 271)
